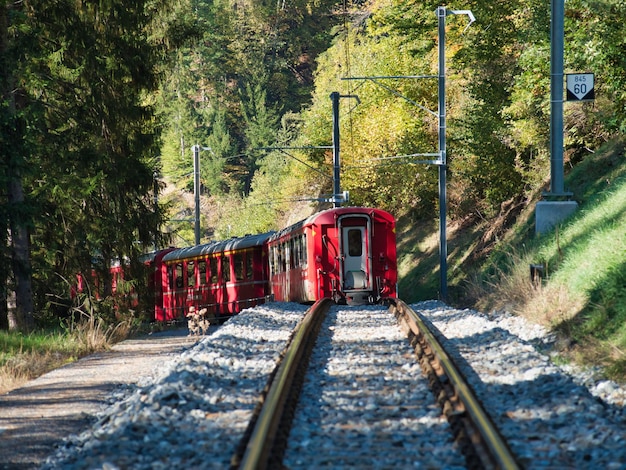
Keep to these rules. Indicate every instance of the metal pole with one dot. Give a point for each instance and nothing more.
(196, 191)
(334, 96)
(155, 189)
(443, 243)
(556, 98)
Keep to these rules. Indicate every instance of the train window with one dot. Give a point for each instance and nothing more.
(300, 250)
(226, 268)
(170, 276)
(273, 260)
(202, 271)
(213, 266)
(277, 259)
(191, 273)
(355, 243)
(283, 252)
(179, 275)
(238, 260)
(249, 271)
(304, 251)
(115, 281)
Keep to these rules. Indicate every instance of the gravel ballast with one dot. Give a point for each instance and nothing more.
(194, 411)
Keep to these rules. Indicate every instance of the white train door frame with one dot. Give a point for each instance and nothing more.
(355, 247)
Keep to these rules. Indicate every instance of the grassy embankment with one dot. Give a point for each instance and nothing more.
(583, 293)
(26, 356)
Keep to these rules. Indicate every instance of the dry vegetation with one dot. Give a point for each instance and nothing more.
(24, 357)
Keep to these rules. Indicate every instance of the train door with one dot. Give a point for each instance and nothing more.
(214, 296)
(178, 291)
(355, 269)
(224, 282)
(191, 287)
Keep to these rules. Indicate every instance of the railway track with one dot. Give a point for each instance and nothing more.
(345, 416)
(364, 401)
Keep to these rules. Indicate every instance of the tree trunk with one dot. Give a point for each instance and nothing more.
(12, 311)
(4, 317)
(19, 295)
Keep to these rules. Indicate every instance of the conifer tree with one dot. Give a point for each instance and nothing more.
(79, 138)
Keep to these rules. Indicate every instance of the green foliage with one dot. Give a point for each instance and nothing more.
(247, 64)
(99, 98)
(81, 74)
(584, 259)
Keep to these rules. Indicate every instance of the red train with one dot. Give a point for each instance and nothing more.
(347, 254)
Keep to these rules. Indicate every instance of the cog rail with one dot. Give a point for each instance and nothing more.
(480, 440)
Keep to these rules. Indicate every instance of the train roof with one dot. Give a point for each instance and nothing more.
(155, 255)
(232, 244)
(329, 215)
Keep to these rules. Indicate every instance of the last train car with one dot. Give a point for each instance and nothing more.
(347, 254)
(223, 277)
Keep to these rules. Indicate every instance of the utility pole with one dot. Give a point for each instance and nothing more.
(441, 161)
(557, 34)
(334, 96)
(550, 212)
(196, 191)
(441, 13)
(443, 164)
(338, 197)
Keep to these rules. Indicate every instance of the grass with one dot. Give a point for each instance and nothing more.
(583, 294)
(24, 357)
(418, 261)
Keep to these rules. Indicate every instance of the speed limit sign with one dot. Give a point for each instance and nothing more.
(580, 87)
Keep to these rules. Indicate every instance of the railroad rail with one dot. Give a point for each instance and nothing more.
(265, 441)
(263, 447)
(365, 401)
(482, 444)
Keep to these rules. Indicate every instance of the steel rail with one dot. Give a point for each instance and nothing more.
(496, 452)
(259, 450)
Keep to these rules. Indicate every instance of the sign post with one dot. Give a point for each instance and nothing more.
(580, 87)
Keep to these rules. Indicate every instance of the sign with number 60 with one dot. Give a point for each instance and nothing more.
(580, 87)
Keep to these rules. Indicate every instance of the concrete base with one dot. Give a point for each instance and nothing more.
(549, 214)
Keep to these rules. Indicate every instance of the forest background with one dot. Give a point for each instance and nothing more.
(103, 100)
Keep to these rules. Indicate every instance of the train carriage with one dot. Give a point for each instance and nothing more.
(222, 277)
(155, 277)
(347, 254)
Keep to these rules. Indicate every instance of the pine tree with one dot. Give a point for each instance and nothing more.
(79, 138)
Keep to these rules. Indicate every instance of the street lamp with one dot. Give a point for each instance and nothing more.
(441, 13)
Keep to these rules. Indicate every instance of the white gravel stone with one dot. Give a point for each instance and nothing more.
(553, 417)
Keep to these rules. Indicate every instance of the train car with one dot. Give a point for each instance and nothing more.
(125, 289)
(222, 277)
(155, 279)
(347, 254)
